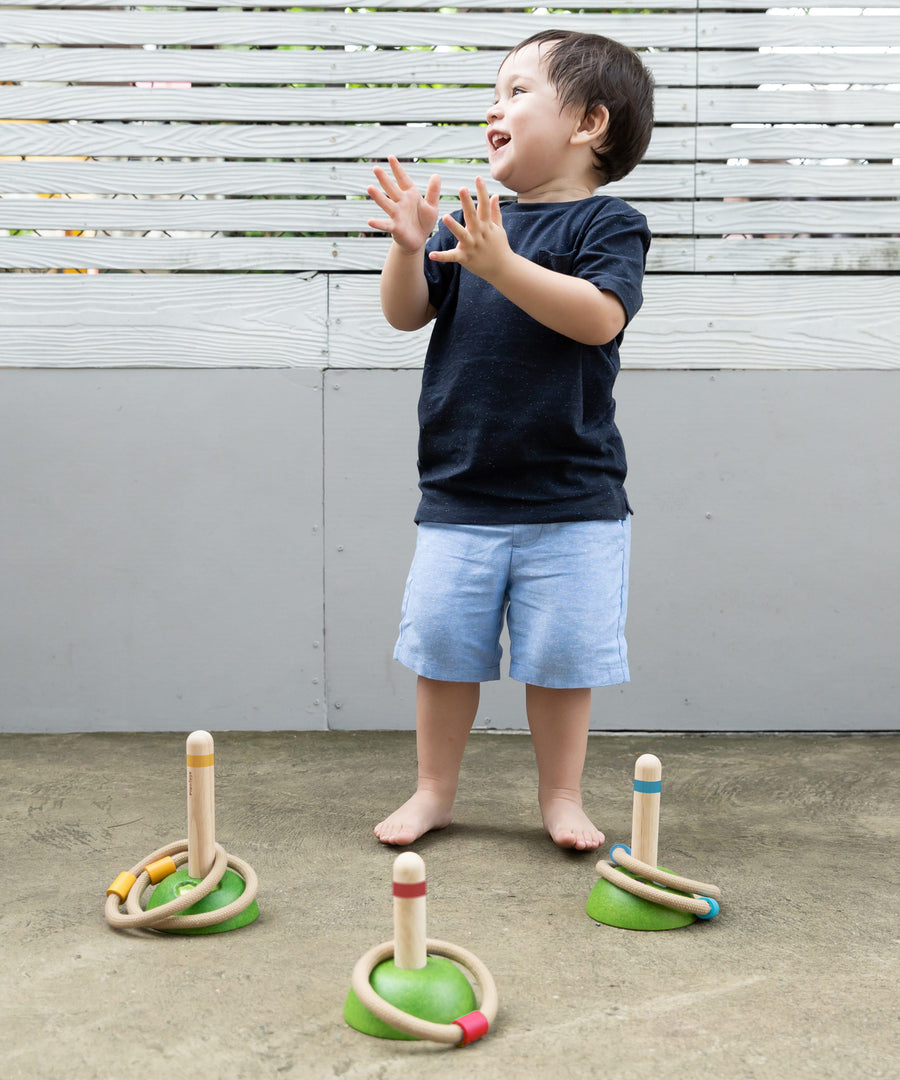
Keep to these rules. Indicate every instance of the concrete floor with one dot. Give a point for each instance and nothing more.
(796, 978)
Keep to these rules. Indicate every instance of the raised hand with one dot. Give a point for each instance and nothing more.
(411, 217)
(482, 245)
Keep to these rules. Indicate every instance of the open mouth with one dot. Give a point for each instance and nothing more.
(496, 139)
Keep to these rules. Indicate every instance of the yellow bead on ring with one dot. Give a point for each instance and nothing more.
(161, 869)
(122, 885)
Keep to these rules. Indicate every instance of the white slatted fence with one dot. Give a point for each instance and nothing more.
(179, 163)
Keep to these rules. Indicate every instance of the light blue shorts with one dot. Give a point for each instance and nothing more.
(562, 588)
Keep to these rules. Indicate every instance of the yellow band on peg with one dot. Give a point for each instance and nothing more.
(122, 885)
(161, 869)
(200, 761)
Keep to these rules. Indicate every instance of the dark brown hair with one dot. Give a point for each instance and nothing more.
(587, 71)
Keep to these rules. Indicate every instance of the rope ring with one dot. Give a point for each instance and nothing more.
(451, 1034)
(621, 854)
(704, 899)
(162, 918)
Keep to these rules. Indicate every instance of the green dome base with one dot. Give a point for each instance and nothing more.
(226, 892)
(613, 906)
(438, 992)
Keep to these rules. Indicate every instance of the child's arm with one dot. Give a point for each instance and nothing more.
(410, 221)
(566, 304)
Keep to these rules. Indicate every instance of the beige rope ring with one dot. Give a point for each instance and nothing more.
(130, 887)
(703, 903)
(453, 1034)
(620, 854)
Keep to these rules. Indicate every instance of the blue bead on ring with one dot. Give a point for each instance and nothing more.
(713, 908)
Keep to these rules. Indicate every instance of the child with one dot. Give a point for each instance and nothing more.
(523, 512)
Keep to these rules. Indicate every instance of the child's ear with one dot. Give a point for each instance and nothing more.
(592, 127)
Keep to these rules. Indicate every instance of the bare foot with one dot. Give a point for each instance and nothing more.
(569, 826)
(418, 815)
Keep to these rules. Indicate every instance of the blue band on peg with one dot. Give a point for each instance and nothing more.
(713, 908)
(615, 848)
(648, 787)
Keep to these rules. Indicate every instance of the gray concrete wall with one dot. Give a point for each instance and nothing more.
(227, 549)
(161, 550)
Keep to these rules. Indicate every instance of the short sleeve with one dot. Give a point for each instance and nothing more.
(613, 253)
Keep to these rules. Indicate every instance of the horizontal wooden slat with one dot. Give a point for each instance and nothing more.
(250, 141)
(237, 253)
(400, 66)
(797, 141)
(187, 214)
(365, 104)
(242, 215)
(301, 65)
(736, 255)
(241, 253)
(838, 254)
(753, 68)
(797, 106)
(486, 29)
(601, 8)
(791, 217)
(279, 178)
(763, 321)
(766, 5)
(791, 181)
(141, 320)
(687, 321)
(725, 30)
(389, 105)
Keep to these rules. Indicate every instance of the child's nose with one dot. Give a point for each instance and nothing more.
(494, 112)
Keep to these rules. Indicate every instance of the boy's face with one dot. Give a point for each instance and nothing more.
(529, 136)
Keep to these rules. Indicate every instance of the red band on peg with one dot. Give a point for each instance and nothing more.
(407, 890)
(474, 1025)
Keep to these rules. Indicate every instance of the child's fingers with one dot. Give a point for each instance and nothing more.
(387, 183)
(400, 173)
(451, 255)
(496, 215)
(470, 212)
(454, 226)
(381, 226)
(379, 197)
(484, 200)
(433, 191)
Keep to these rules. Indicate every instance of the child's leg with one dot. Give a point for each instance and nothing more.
(445, 712)
(559, 722)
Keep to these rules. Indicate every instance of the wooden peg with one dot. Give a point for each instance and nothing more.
(645, 815)
(409, 912)
(201, 803)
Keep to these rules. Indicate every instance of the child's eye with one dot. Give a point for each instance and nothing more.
(518, 90)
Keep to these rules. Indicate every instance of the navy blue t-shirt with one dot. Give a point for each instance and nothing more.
(516, 421)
